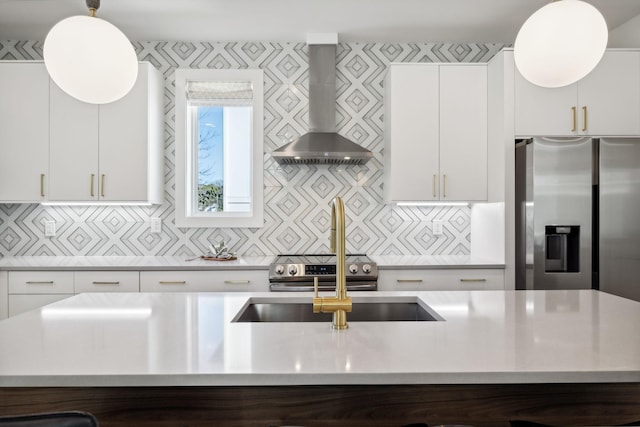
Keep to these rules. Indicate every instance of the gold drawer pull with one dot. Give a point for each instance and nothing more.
(237, 282)
(573, 113)
(409, 280)
(41, 185)
(473, 280)
(444, 186)
(91, 185)
(106, 283)
(48, 282)
(435, 186)
(172, 282)
(584, 118)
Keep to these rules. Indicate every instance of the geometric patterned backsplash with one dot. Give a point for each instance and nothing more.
(296, 197)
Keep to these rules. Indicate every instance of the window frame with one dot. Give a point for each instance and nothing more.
(184, 172)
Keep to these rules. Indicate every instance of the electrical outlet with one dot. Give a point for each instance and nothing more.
(49, 228)
(156, 225)
(437, 227)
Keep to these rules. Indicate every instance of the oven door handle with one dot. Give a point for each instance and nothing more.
(282, 287)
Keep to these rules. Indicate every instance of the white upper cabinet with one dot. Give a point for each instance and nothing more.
(605, 102)
(463, 132)
(73, 158)
(412, 134)
(111, 152)
(435, 132)
(24, 132)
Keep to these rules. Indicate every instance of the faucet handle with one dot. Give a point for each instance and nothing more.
(315, 286)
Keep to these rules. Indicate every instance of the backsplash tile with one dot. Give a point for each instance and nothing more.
(296, 197)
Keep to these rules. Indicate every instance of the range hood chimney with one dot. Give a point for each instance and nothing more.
(322, 144)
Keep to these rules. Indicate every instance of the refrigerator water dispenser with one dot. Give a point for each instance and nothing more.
(562, 249)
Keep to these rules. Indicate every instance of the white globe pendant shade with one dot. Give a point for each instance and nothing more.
(90, 59)
(560, 43)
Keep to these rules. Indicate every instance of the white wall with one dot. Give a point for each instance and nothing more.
(626, 35)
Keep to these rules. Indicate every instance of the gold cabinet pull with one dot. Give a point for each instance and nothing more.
(237, 282)
(92, 178)
(172, 282)
(409, 280)
(574, 113)
(435, 185)
(584, 118)
(472, 280)
(102, 185)
(106, 283)
(41, 185)
(46, 282)
(444, 186)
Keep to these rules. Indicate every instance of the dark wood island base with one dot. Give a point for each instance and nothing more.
(339, 405)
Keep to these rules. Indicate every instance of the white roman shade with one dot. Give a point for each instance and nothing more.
(216, 90)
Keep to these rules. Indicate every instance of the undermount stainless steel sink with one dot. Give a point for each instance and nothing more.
(398, 310)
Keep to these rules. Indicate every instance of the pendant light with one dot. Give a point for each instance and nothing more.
(560, 43)
(90, 59)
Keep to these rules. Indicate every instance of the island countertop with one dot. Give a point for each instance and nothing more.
(190, 339)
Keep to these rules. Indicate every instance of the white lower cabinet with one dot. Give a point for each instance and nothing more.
(106, 281)
(204, 281)
(4, 295)
(440, 280)
(33, 289)
(28, 290)
(21, 303)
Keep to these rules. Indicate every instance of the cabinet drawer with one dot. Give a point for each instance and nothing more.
(106, 281)
(480, 279)
(22, 303)
(204, 281)
(40, 282)
(440, 280)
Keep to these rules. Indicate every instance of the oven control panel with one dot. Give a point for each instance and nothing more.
(299, 267)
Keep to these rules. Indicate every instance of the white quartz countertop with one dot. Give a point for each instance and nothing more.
(190, 339)
(155, 263)
(395, 262)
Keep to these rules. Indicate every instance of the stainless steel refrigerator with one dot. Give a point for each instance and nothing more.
(577, 214)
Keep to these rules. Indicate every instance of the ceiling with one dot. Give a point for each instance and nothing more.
(291, 20)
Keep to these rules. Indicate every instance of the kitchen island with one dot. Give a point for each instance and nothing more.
(560, 357)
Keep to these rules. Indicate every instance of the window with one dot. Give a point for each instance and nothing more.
(219, 148)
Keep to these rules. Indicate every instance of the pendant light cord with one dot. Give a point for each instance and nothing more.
(93, 6)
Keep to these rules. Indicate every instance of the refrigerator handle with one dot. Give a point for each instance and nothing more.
(595, 162)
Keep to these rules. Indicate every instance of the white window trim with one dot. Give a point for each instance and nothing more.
(231, 219)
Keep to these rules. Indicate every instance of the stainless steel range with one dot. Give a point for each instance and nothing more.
(291, 273)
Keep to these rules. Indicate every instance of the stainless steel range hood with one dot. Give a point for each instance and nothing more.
(322, 145)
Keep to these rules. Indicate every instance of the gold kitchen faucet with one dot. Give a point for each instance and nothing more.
(341, 304)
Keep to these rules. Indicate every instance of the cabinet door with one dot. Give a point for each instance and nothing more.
(123, 144)
(609, 96)
(4, 294)
(412, 132)
(73, 158)
(24, 131)
(32, 289)
(22, 303)
(545, 111)
(463, 132)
